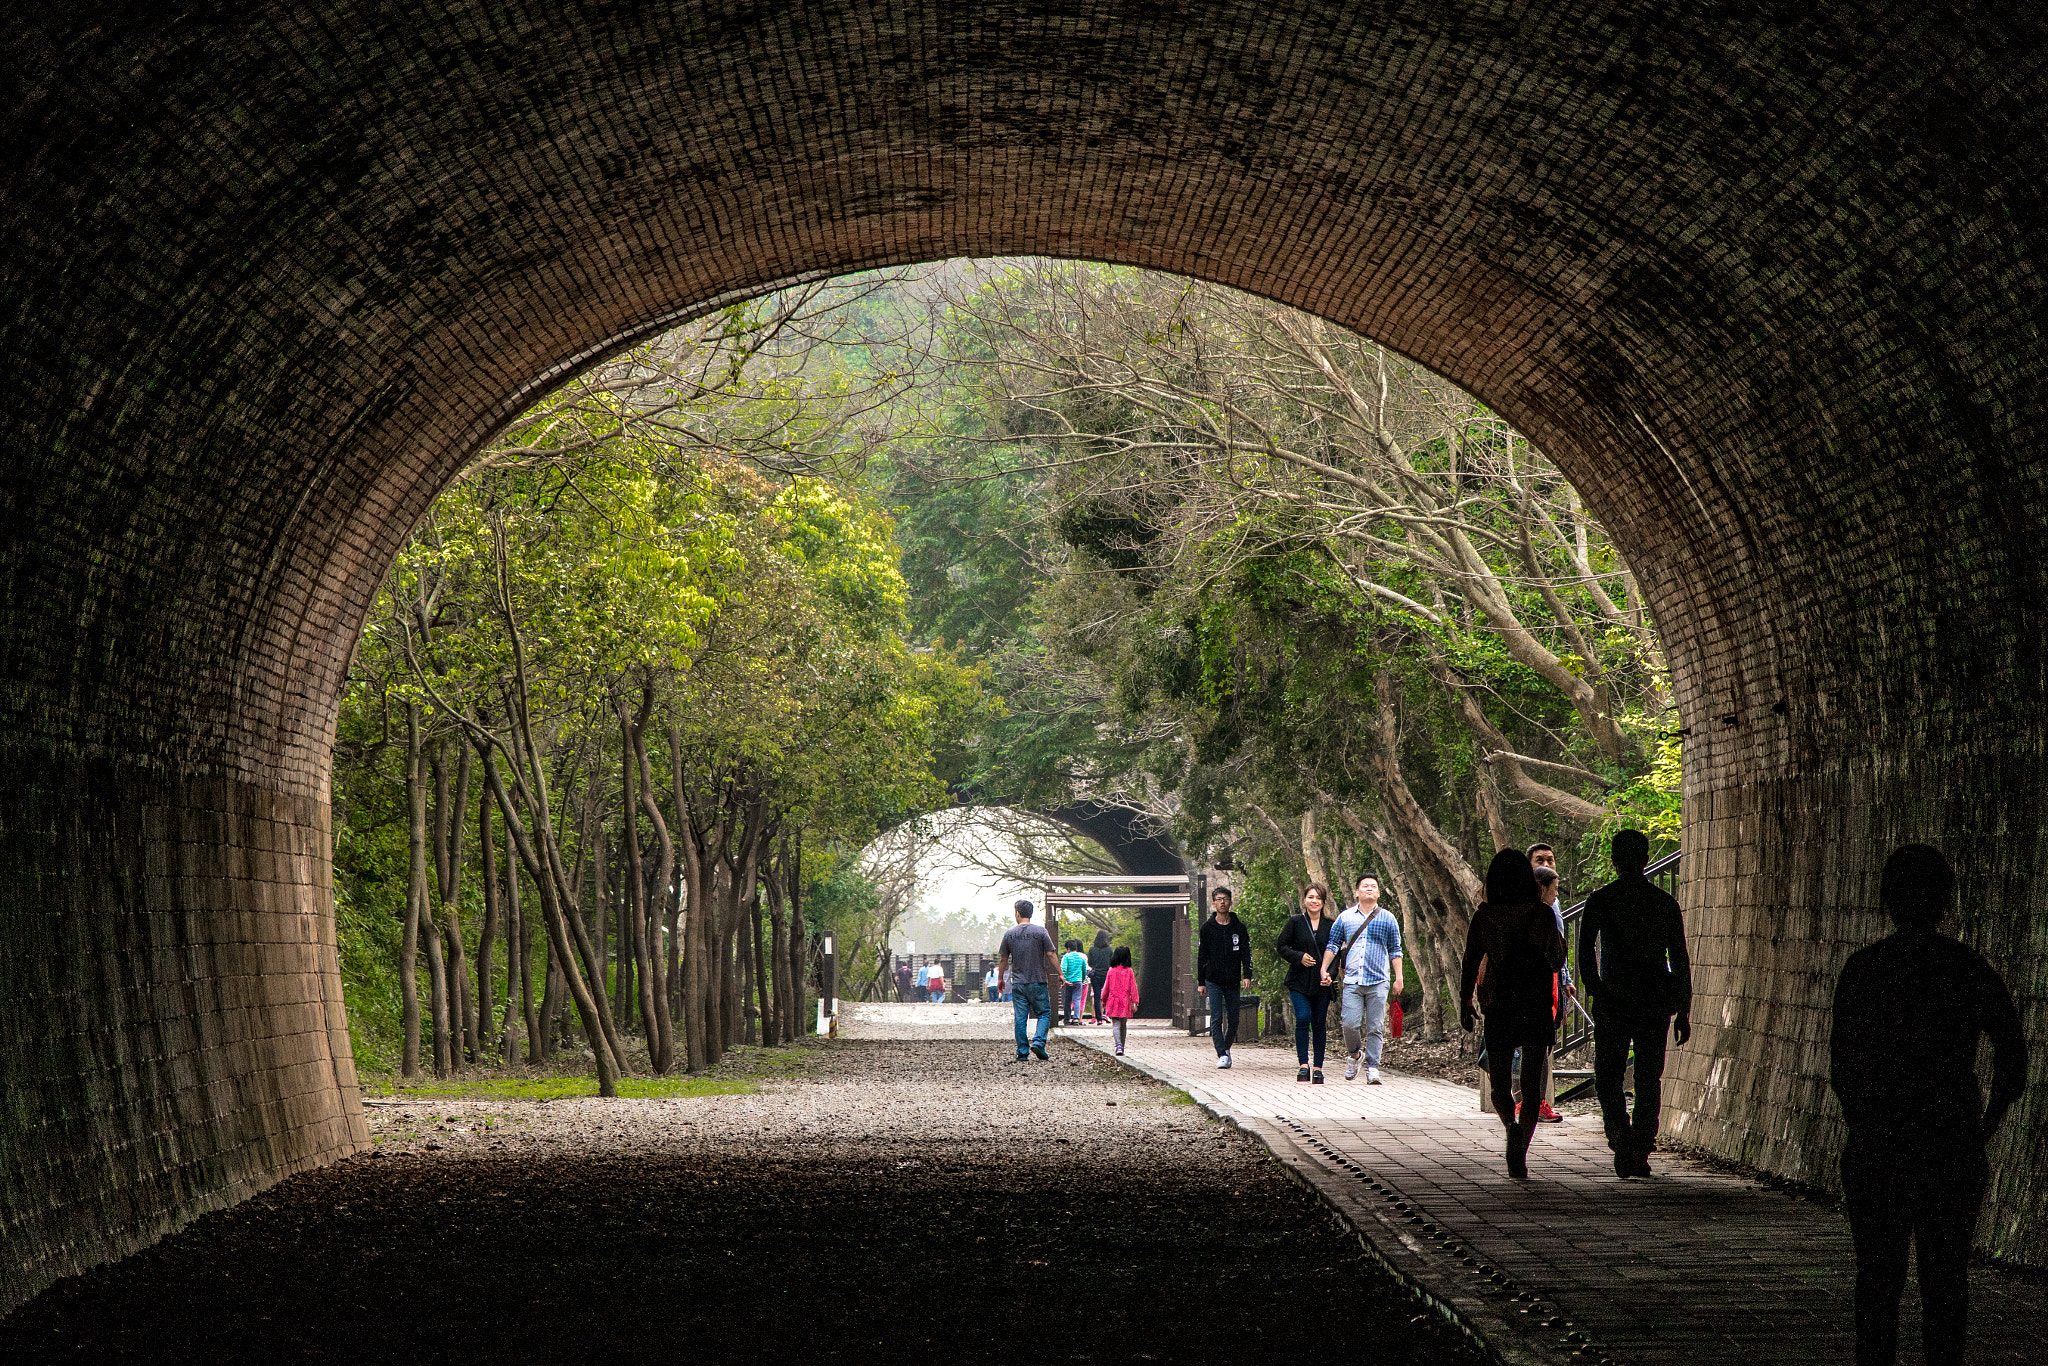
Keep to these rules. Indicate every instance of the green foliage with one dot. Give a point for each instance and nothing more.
(652, 532)
(1649, 804)
(1265, 901)
(369, 977)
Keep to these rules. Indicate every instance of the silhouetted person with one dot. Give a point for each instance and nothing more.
(1515, 937)
(1632, 962)
(1908, 1011)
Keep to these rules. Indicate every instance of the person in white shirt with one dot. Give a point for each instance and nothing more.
(1369, 939)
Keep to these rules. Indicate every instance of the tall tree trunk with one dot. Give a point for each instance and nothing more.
(746, 888)
(515, 913)
(1312, 858)
(541, 852)
(786, 1023)
(448, 831)
(1425, 943)
(531, 853)
(691, 915)
(487, 1032)
(763, 983)
(1447, 880)
(796, 971)
(603, 893)
(633, 896)
(415, 896)
(429, 928)
(1430, 950)
(718, 965)
(750, 1008)
(437, 986)
(550, 1001)
(654, 902)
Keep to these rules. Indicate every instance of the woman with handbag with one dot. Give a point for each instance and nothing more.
(1514, 939)
(1302, 945)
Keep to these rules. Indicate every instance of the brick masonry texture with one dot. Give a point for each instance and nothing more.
(1692, 1268)
(1768, 288)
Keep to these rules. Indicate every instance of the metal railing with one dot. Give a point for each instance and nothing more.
(1575, 1030)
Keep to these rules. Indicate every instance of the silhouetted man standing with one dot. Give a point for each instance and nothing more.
(1633, 963)
(1908, 1011)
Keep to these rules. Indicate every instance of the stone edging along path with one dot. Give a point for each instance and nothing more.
(1695, 1265)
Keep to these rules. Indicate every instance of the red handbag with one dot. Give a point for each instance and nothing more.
(1394, 1014)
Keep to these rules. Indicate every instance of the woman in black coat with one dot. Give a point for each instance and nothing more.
(1098, 969)
(1511, 952)
(1301, 947)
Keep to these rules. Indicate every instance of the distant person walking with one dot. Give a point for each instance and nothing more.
(937, 983)
(1517, 943)
(991, 985)
(1368, 940)
(1633, 961)
(1561, 988)
(1074, 971)
(1024, 967)
(1304, 941)
(1908, 1011)
(904, 978)
(1098, 970)
(1223, 968)
(1119, 1000)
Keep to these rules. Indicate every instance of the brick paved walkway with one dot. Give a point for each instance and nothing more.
(1571, 1265)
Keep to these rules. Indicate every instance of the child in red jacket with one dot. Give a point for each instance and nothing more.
(1120, 995)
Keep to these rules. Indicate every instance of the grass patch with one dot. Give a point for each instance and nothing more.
(1176, 1096)
(742, 1073)
(561, 1088)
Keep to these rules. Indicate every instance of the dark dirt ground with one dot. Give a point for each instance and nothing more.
(1162, 1237)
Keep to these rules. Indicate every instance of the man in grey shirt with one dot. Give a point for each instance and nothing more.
(1027, 962)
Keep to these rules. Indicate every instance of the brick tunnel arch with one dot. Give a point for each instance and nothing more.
(1767, 290)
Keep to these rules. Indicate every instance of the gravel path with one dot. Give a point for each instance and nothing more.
(907, 1199)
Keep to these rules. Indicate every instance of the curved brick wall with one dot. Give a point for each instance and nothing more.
(1771, 295)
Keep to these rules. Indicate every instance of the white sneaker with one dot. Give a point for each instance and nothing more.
(1223, 1063)
(1350, 1068)
(1372, 1076)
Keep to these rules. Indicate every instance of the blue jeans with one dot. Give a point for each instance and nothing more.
(1025, 998)
(1223, 1006)
(1365, 1009)
(1311, 1018)
(938, 995)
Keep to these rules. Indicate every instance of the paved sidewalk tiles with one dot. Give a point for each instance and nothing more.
(1573, 1264)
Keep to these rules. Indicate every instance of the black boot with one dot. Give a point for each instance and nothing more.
(1518, 1151)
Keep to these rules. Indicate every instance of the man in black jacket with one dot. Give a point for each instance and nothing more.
(1633, 963)
(1223, 967)
(1909, 1010)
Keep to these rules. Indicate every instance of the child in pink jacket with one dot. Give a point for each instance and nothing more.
(1120, 995)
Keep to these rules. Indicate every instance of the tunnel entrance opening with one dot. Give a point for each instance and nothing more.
(1087, 867)
(1762, 287)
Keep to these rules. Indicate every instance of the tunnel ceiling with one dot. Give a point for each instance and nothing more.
(1765, 282)
(276, 271)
